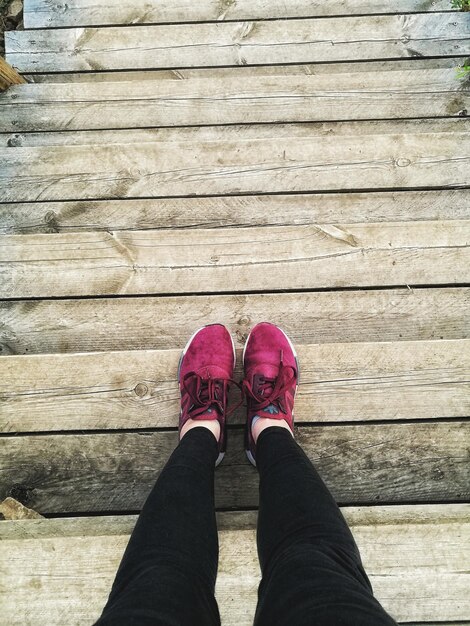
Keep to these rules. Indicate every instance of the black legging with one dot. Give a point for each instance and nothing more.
(312, 571)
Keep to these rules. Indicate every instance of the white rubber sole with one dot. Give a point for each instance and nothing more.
(185, 349)
(250, 458)
(248, 452)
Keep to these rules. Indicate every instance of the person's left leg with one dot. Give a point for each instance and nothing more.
(168, 572)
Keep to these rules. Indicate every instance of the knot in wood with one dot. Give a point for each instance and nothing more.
(242, 336)
(52, 224)
(15, 141)
(50, 216)
(402, 162)
(245, 320)
(141, 390)
(22, 493)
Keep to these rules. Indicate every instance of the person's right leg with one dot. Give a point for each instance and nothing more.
(312, 573)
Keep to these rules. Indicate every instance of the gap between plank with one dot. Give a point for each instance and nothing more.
(372, 503)
(200, 67)
(231, 427)
(241, 293)
(309, 192)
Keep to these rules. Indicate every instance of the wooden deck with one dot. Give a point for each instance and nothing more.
(175, 164)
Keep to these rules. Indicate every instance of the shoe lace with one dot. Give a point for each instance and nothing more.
(266, 391)
(206, 393)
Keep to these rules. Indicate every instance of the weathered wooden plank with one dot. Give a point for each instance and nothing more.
(63, 326)
(240, 43)
(356, 516)
(233, 160)
(138, 389)
(240, 260)
(235, 133)
(390, 463)
(348, 67)
(76, 106)
(43, 14)
(228, 211)
(70, 563)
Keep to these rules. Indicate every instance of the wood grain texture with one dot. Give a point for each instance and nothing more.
(232, 160)
(362, 95)
(71, 563)
(232, 133)
(239, 43)
(228, 211)
(63, 326)
(44, 14)
(123, 524)
(138, 389)
(239, 260)
(419, 462)
(244, 71)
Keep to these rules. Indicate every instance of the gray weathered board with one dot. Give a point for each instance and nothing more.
(249, 71)
(234, 259)
(138, 389)
(240, 43)
(303, 98)
(420, 461)
(88, 325)
(41, 13)
(227, 211)
(416, 556)
(233, 133)
(234, 160)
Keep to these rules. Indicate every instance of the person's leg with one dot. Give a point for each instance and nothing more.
(311, 569)
(168, 572)
(167, 575)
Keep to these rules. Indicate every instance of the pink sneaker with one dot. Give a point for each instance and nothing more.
(205, 373)
(271, 379)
